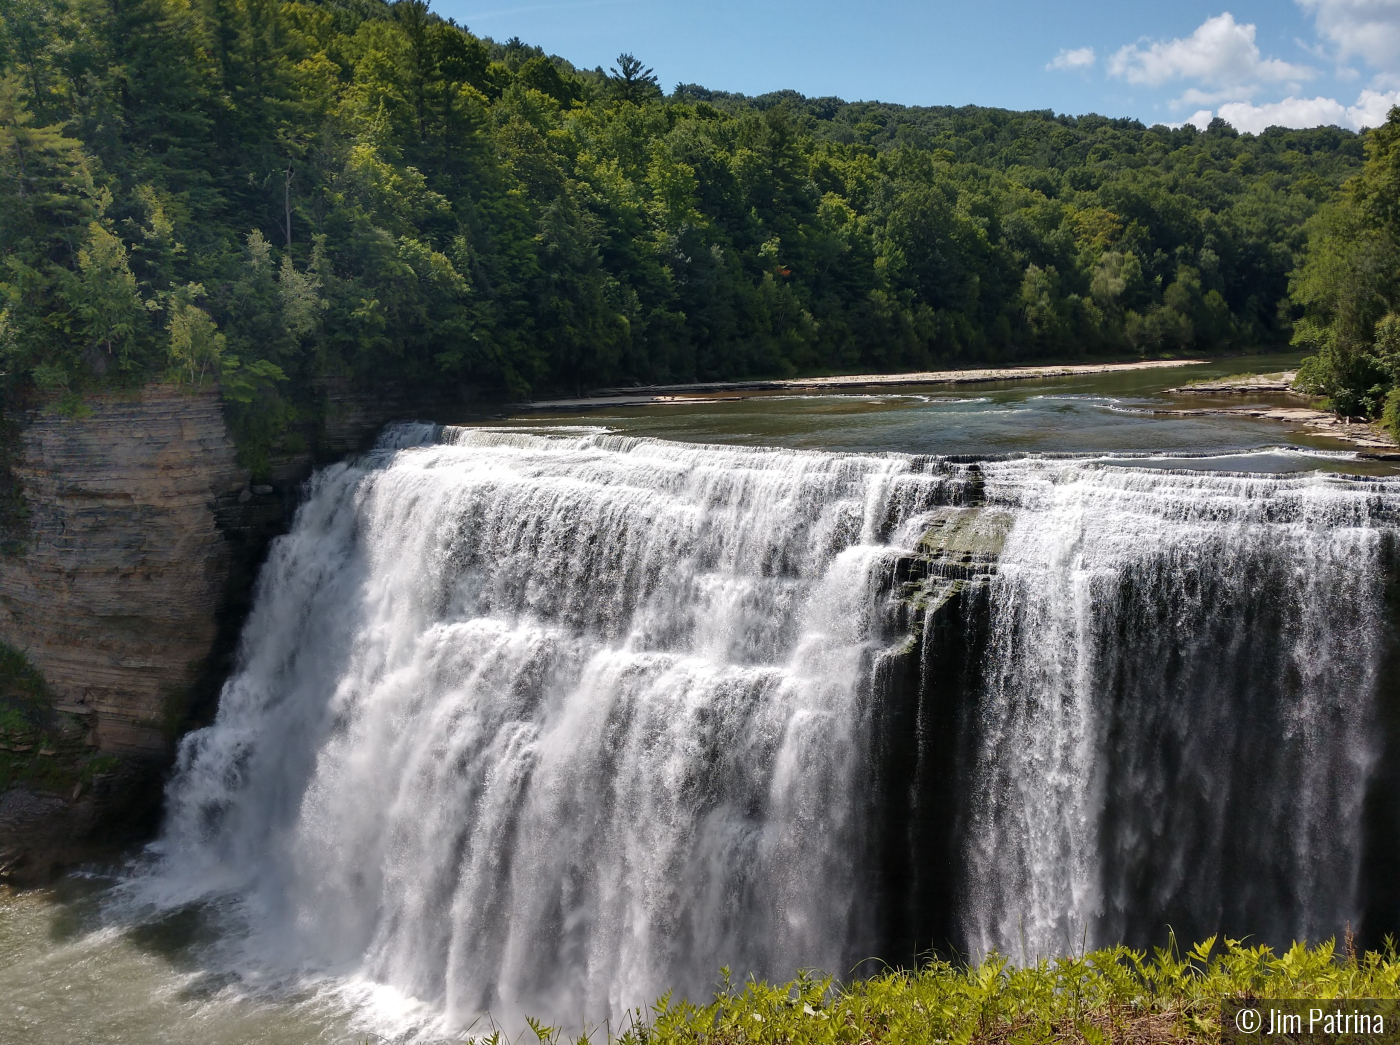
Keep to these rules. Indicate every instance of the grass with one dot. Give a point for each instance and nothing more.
(1114, 996)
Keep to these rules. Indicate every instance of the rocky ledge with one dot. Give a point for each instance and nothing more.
(1357, 432)
(1280, 383)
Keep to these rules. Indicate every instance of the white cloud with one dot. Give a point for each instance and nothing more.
(1370, 110)
(1369, 28)
(1221, 52)
(1079, 58)
(1291, 112)
(1193, 96)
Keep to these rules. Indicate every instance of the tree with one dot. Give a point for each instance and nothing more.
(464, 210)
(104, 295)
(302, 303)
(47, 192)
(1349, 287)
(196, 345)
(632, 83)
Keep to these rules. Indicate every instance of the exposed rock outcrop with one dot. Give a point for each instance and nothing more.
(115, 596)
(939, 597)
(1356, 431)
(1280, 383)
(140, 526)
(131, 579)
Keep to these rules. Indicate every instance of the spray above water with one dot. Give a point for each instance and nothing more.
(554, 724)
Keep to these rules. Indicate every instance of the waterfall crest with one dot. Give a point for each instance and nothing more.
(552, 724)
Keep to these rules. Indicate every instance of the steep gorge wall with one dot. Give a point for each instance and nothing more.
(115, 596)
(128, 591)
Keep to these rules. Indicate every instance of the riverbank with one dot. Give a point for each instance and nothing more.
(1361, 434)
(652, 395)
(1280, 383)
(1326, 423)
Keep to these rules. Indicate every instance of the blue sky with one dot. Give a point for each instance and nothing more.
(1291, 62)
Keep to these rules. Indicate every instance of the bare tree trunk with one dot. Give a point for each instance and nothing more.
(287, 202)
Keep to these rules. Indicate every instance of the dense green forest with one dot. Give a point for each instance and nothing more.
(271, 193)
(1349, 285)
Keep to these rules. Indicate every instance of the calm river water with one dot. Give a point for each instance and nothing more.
(1095, 413)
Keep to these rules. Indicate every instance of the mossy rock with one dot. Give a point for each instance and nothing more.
(40, 747)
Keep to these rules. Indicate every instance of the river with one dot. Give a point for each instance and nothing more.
(551, 715)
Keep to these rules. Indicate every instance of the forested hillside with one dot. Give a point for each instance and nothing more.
(270, 193)
(1349, 286)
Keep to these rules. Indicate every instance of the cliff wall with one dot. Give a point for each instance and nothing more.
(115, 596)
(125, 596)
(131, 578)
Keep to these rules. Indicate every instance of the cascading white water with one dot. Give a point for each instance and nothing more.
(1177, 719)
(554, 724)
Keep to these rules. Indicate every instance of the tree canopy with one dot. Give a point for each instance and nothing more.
(1349, 287)
(273, 193)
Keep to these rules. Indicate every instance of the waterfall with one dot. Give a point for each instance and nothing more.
(556, 724)
(1177, 719)
(553, 723)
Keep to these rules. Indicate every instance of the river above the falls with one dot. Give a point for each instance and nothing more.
(1090, 413)
(634, 649)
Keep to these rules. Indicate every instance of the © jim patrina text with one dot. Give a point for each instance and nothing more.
(1317, 1021)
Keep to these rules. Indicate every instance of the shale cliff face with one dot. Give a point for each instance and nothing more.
(114, 598)
(134, 575)
(143, 534)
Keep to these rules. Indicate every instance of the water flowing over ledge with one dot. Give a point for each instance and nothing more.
(555, 723)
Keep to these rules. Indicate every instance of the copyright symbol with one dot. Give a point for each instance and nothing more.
(1247, 1021)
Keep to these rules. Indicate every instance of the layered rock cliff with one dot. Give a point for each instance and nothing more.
(115, 595)
(124, 591)
(115, 598)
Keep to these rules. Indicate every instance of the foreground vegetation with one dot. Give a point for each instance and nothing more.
(277, 193)
(1111, 995)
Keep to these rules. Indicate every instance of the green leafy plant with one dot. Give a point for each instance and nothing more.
(1111, 995)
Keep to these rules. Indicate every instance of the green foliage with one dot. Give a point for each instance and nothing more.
(1114, 994)
(196, 346)
(38, 746)
(365, 190)
(19, 678)
(103, 295)
(1349, 289)
(1390, 413)
(630, 82)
